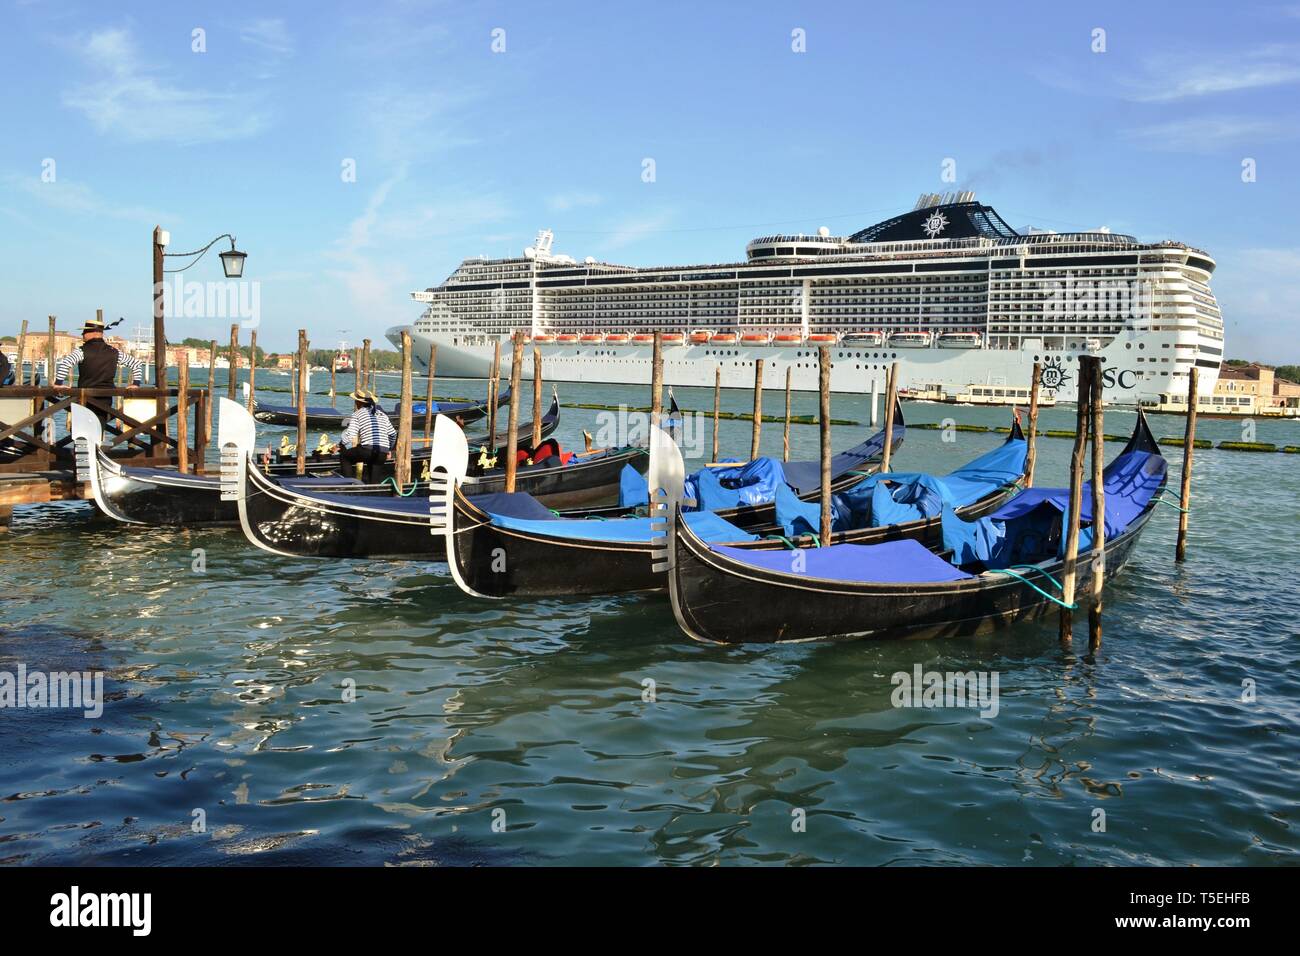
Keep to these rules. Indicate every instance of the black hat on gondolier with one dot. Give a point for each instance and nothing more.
(92, 325)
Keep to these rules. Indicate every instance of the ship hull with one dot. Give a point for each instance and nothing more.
(856, 369)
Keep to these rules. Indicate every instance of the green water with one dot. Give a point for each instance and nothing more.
(489, 732)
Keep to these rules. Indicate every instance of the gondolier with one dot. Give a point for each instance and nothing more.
(96, 362)
(370, 434)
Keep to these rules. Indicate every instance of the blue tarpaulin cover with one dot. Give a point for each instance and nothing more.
(890, 562)
(899, 497)
(805, 477)
(631, 530)
(633, 489)
(748, 483)
(1009, 535)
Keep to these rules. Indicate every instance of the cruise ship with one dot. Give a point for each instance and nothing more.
(960, 299)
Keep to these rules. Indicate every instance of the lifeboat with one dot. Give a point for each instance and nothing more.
(671, 338)
(863, 338)
(566, 339)
(723, 338)
(543, 339)
(617, 338)
(756, 338)
(960, 340)
(592, 338)
(910, 340)
(700, 336)
(823, 338)
(643, 338)
(787, 338)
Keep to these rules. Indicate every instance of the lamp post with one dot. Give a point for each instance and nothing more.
(232, 264)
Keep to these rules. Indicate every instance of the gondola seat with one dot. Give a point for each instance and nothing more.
(892, 562)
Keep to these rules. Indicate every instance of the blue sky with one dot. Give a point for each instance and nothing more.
(460, 150)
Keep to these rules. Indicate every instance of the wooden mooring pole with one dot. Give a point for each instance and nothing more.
(824, 417)
(494, 388)
(22, 352)
(1189, 442)
(1075, 504)
(1098, 570)
(333, 371)
(536, 438)
(365, 364)
(785, 435)
(717, 407)
(182, 416)
(1031, 448)
(891, 396)
(233, 384)
(758, 409)
(657, 379)
(512, 437)
(252, 369)
(402, 467)
(302, 402)
(428, 392)
(49, 355)
(212, 376)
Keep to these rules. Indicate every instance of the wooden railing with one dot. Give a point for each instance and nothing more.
(149, 441)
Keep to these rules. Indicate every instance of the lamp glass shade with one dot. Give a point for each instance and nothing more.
(232, 262)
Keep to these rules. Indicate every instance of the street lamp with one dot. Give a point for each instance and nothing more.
(232, 263)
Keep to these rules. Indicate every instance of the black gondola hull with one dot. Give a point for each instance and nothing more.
(279, 520)
(725, 602)
(504, 562)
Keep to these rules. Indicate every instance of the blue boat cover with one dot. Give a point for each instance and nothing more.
(706, 525)
(890, 562)
(805, 477)
(1017, 531)
(748, 483)
(633, 489)
(900, 497)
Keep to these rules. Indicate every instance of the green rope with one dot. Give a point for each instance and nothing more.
(1177, 507)
(816, 541)
(1025, 580)
(398, 488)
(782, 538)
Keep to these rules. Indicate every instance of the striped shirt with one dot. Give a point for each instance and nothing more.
(74, 359)
(370, 427)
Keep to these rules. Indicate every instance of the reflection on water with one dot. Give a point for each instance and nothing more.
(334, 712)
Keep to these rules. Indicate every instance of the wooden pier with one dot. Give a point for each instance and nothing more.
(36, 468)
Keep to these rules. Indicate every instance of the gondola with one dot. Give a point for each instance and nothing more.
(327, 417)
(525, 551)
(286, 464)
(159, 496)
(295, 521)
(997, 570)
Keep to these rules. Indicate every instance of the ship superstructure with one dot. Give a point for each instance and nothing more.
(949, 289)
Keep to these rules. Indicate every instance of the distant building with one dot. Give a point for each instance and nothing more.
(284, 362)
(1253, 383)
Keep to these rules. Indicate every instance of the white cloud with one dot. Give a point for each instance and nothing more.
(563, 202)
(1167, 78)
(268, 34)
(636, 229)
(1207, 134)
(80, 199)
(137, 104)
